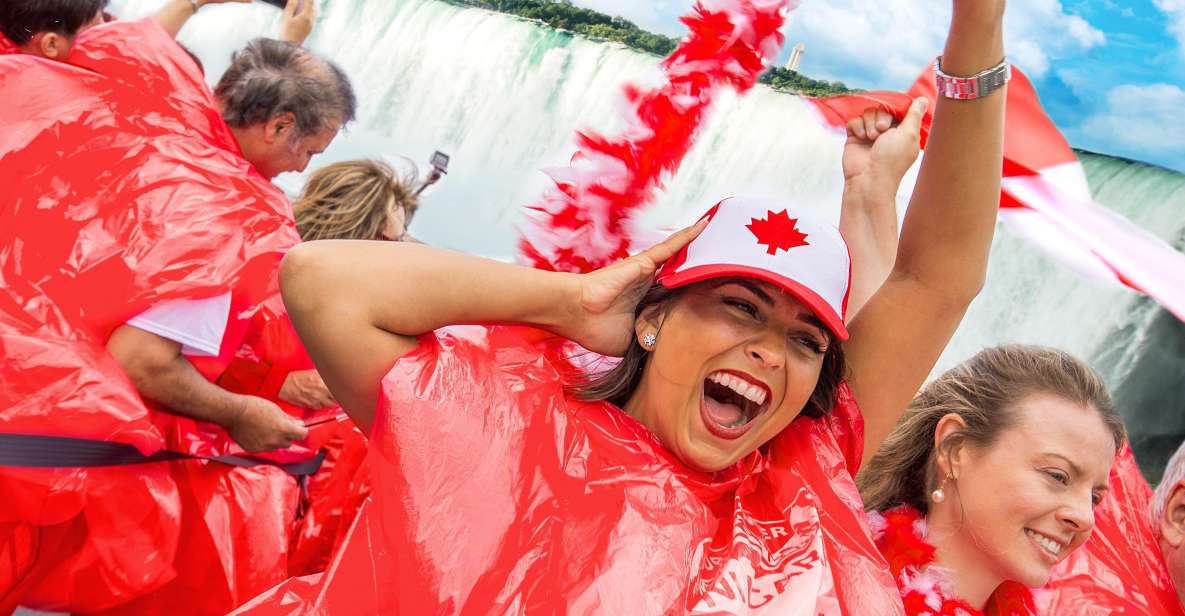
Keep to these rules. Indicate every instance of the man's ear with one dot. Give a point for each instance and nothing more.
(1172, 522)
(279, 128)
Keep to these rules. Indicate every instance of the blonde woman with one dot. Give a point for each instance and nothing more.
(355, 200)
(990, 479)
(351, 200)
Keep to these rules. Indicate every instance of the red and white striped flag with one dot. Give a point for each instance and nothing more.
(1044, 195)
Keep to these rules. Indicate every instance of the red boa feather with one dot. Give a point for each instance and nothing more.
(900, 536)
(584, 221)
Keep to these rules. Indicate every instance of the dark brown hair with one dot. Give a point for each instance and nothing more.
(617, 384)
(21, 20)
(983, 391)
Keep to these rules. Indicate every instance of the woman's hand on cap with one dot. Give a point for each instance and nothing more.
(606, 298)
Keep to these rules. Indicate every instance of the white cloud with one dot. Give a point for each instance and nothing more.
(885, 44)
(1141, 121)
(1175, 11)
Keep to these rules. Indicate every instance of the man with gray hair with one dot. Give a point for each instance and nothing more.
(1168, 519)
(283, 105)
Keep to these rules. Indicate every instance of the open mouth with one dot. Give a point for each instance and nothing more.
(1049, 547)
(731, 401)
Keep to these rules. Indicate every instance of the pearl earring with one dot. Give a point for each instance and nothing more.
(648, 340)
(938, 495)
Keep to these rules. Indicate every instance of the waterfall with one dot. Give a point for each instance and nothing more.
(503, 96)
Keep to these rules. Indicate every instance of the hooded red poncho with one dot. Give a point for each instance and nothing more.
(123, 188)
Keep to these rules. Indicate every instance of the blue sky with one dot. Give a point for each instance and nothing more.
(1111, 73)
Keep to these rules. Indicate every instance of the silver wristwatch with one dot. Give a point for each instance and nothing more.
(976, 86)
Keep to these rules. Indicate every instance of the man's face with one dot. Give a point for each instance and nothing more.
(1172, 537)
(285, 152)
(1175, 560)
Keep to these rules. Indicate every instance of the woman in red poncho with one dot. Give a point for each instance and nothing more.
(991, 479)
(711, 470)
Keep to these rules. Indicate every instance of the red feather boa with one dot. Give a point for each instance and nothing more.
(926, 591)
(584, 221)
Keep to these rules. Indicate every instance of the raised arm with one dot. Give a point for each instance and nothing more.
(173, 15)
(299, 17)
(876, 156)
(358, 306)
(943, 251)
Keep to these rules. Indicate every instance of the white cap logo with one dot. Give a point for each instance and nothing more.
(777, 231)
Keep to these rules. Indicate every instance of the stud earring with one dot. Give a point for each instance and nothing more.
(648, 340)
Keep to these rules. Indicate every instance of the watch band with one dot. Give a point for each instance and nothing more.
(976, 86)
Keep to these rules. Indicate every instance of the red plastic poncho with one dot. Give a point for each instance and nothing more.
(1120, 569)
(122, 188)
(494, 492)
(270, 352)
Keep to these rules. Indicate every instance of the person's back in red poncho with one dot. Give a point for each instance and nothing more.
(120, 201)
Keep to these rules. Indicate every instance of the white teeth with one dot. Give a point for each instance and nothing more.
(1048, 544)
(742, 387)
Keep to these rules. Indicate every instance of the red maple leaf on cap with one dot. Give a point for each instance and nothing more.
(777, 231)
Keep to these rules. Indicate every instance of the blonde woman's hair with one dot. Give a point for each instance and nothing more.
(351, 201)
(983, 391)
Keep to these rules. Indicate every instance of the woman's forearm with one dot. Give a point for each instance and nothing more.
(948, 230)
(868, 221)
(409, 289)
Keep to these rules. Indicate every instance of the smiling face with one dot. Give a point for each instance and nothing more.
(1021, 505)
(735, 362)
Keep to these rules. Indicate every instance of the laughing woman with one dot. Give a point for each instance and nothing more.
(991, 479)
(711, 470)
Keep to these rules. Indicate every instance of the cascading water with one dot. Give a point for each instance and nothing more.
(504, 96)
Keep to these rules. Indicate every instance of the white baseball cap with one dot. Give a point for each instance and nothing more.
(776, 241)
